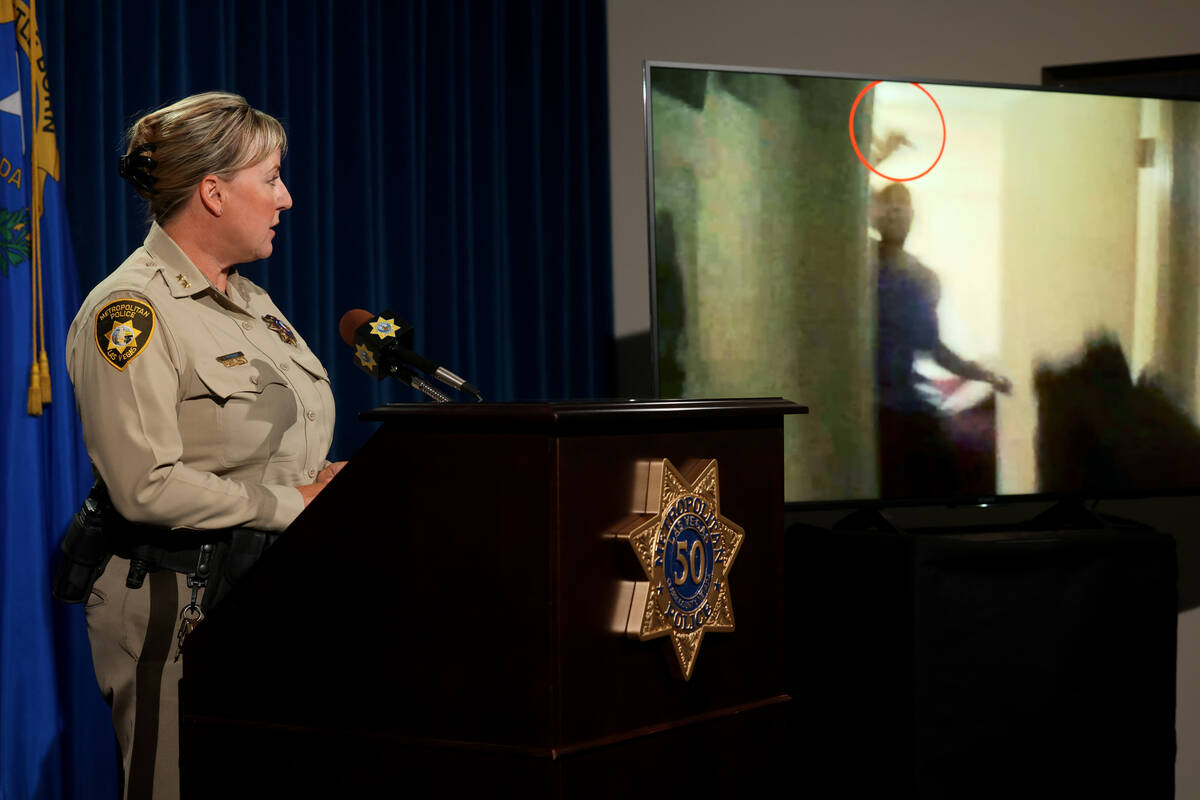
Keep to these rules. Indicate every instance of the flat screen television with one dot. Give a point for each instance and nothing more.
(980, 291)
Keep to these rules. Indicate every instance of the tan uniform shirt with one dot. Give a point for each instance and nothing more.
(196, 411)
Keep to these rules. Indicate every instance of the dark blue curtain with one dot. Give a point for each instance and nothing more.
(448, 160)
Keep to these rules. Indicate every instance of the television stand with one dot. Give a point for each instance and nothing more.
(982, 660)
(1070, 514)
(866, 519)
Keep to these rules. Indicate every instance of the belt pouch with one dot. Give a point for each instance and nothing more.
(232, 560)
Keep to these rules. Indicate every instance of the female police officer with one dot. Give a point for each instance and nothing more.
(202, 407)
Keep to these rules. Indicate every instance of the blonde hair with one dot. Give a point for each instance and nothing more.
(169, 151)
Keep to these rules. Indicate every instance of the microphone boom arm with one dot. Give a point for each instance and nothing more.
(418, 383)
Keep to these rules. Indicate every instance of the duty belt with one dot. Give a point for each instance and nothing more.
(98, 532)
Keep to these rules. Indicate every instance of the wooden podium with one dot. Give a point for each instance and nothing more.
(450, 615)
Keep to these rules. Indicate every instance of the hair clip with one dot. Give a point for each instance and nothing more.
(135, 167)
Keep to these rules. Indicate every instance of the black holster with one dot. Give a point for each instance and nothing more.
(85, 552)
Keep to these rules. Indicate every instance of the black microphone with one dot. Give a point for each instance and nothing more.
(383, 343)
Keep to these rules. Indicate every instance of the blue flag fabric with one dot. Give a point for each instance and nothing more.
(45, 666)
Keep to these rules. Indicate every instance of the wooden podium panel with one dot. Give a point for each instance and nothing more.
(449, 613)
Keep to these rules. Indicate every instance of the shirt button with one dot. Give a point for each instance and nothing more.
(312, 415)
(312, 473)
(247, 325)
(284, 366)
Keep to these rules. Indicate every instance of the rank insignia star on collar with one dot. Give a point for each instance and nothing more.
(686, 549)
(183, 281)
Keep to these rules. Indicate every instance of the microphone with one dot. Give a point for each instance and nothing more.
(383, 343)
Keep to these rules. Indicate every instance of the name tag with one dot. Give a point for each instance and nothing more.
(232, 359)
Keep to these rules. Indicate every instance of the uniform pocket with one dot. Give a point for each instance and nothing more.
(237, 415)
(95, 599)
(223, 383)
(117, 622)
(311, 364)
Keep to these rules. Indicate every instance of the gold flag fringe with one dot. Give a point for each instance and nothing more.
(44, 369)
(35, 392)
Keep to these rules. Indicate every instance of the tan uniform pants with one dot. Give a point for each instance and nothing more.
(137, 672)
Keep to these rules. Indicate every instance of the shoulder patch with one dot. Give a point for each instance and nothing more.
(123, 329)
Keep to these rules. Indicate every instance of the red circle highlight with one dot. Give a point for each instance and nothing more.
(854, 141)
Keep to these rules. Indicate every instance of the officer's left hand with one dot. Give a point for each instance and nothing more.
(326, 475)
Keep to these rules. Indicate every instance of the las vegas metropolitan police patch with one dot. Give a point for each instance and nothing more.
(123, 329)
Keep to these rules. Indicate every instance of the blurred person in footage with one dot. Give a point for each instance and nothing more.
(916, 454)
(204, 412)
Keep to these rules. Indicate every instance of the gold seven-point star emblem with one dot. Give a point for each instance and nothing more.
(383, 328)
(365, 356)
(122, 335)
(686, 549)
